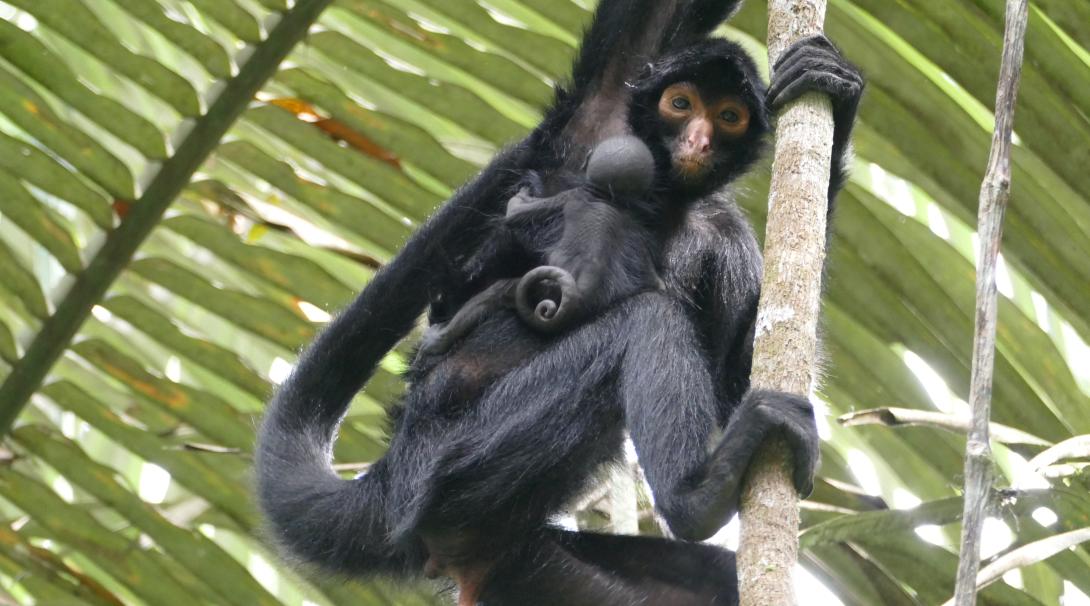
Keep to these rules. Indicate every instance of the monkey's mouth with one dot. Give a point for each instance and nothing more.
(691, 166)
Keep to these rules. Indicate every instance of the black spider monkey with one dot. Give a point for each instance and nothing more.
(499, 433)
(595, 240)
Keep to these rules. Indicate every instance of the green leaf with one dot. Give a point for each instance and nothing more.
(390, 185)
(300, 277)
(230, 581)
(37, 61)
(206, 51)
(36, 168)
(216, 359)
(33, 115)
(19, 280)
(19, 206)
(233, 17)
(456, 103)
(77, 23)
(205, 412)
(259, 316)
(138, 569)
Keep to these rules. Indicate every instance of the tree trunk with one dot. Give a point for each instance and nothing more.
(785, 346)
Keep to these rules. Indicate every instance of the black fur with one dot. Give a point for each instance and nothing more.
(590, 246)
(498, 434)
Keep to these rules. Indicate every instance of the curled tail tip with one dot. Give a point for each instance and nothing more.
(546, 310)
(545, 297)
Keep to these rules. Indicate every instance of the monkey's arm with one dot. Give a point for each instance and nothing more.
(675, 412)
(626, 33)
(440, 337)
(703, 496)
(343, 356)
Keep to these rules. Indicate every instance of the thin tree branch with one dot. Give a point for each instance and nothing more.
(785, 344)
(895, 417)
(1071, 448)
(994, 194)
(1035, 552)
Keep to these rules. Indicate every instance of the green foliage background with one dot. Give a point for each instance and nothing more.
(188, 188)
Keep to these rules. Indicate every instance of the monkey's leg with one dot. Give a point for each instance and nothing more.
(533, 439)
(588, 569)
(439, 338)
(670, 408)
(529, 442)
(531, 436)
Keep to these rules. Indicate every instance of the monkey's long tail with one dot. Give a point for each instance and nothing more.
(547, 298)
(341, 525)
(314, 515)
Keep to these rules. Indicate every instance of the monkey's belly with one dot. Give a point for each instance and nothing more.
(454, 382)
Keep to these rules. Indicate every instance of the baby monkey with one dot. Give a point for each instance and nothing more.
(605, 250)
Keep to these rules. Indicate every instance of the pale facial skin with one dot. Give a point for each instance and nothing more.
(699, 125)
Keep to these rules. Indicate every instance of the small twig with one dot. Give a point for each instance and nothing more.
(1077, 447)
(1054, 472)
(209, 448)
(994, 194)
(1026, 555)
(895, 417)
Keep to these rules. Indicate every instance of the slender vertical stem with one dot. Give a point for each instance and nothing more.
(994, 194)
(785, 346)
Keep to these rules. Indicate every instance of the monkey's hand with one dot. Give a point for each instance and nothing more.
(764, 413)
(524, 202)
(712, 496)
(814, 65)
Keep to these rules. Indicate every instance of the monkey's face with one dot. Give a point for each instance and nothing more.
(698, 129)
(701, 111)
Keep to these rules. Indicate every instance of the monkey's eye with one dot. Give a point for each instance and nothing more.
(681, 103)
(730, 117)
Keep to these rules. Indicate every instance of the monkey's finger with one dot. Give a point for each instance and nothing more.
(794, 417)
(830, 84)
(816, 42)
(806, 448)
(813, 59)
(818, 61)
(791, 70)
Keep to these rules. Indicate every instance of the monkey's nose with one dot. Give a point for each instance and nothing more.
(698, 144)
